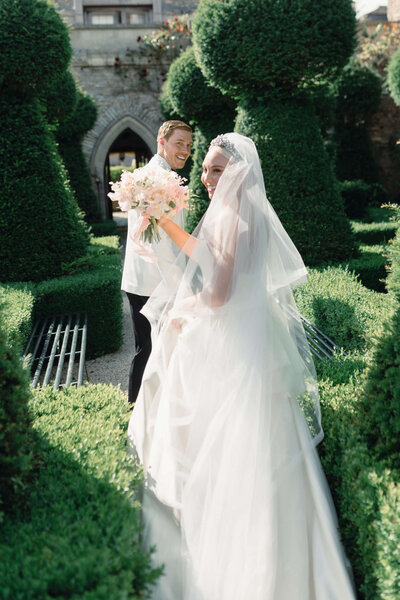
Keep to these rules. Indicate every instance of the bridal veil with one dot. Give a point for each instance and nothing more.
(228, 415)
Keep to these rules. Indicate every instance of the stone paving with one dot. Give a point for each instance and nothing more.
(114, 368)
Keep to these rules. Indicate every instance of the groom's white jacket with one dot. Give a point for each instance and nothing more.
(140, 276)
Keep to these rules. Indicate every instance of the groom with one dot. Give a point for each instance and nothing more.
(140, 277)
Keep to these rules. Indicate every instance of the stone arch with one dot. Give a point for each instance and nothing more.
(144, 120)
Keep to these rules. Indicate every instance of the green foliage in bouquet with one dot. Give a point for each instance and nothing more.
(274, 80)
(358, 92)
(212, 113)
(40, 226)
(16, 456)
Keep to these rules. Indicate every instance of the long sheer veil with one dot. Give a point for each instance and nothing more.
(240, 273)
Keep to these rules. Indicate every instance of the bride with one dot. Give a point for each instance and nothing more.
(227, 419)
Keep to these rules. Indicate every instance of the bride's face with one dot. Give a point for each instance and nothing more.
(213, 167)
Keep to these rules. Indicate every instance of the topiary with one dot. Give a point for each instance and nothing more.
(358, 93)
(34, 44)
(59, 98)
(40, 225)
(211, 112)
(296, 50)
(69, 135)
(300, 184)
(15, 426)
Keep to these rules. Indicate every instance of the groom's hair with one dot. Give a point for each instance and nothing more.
(167, 129)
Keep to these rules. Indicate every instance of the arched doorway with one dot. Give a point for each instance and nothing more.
(138, 133)
(128, 149)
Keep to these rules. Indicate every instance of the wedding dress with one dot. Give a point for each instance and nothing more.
(227, 419)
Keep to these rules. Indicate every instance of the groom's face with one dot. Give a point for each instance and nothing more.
(176, 149)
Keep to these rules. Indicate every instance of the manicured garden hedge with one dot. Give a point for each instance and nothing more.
(16, 454)
(365, 489)
(16, 305)
(373, 233)
(77, 535)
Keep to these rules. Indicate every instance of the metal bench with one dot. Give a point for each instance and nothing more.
(53, 349)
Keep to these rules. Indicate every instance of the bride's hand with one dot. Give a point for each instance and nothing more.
(162, 221)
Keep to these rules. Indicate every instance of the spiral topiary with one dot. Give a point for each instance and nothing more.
(296, 50)
(59, 98)
(40, 225)
(211, 112)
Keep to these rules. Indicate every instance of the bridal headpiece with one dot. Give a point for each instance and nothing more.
(223, 142)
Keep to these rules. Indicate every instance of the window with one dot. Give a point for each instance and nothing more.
(114, 16)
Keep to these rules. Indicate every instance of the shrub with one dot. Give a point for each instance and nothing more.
(81, 535)
(16, 457)
(381, 399)
(93, 285)
(107, 227)
(393, 76)
(298, 178)
(17, 308)
(358, 92)
(373, 233)
(370, 266)
(295, 50)
(116, 172)
(34, 45)
(70, 133)
(357, 195)
(191, 96)
(337, 303)
(35, 51)
(40, 226)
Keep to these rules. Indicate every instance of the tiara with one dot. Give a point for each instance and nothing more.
(223, 141)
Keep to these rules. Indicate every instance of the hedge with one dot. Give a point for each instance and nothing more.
(337, 303)
(16, 455)
(102, 228)
(191, 96)
(365, 489)
(358, 195)
(91, 283)
(78, 534)
(370, 266)
(16, 305)
(298, 177)
(373, 233)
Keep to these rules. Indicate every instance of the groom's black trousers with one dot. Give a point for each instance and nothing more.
(142, 332)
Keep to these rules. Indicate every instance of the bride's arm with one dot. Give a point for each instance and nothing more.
(183, 240)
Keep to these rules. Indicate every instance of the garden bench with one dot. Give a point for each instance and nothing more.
(56, 350)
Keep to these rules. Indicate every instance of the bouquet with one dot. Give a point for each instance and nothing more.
(153, 192)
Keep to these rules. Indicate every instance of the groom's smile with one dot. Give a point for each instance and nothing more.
(176, 149)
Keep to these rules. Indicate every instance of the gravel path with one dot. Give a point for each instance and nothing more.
(114, 368)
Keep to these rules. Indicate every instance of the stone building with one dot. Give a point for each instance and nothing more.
(109, 63)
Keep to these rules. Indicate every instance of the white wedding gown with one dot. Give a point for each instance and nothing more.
(235, 500)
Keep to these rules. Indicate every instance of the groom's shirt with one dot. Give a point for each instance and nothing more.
(140, 276)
